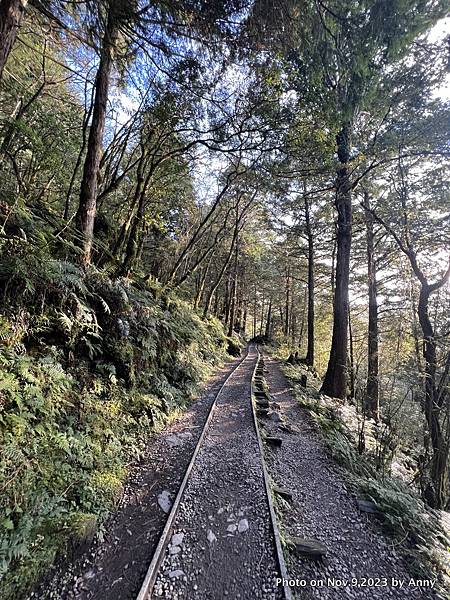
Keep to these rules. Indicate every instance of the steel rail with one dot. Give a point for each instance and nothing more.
(158, 555)
(273, 518)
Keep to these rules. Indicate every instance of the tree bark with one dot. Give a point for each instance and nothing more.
(263, 310)
(438, 496)
(371, 400)
(268, 332)
(352, 371)
(87, 207)
(335, 381)
(255, 304)
(201, 284)
(132, 247)
(287, 302)
(310, 347)
(221, 272)
(11, 15)
(234, 292)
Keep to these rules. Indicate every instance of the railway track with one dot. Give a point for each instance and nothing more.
(221, 537)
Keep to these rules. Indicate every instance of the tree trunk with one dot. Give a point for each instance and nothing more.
(263, 309)
(221, 273)
(335, 381)
(131, 248)
(87, 207)
(351, 393)
(310, 348)
(255, 308)
(371, 401)
(268, 332)
(227, 300)
(234, 293)
(287, 302)
(437, 496)
(201, 285)
(11, 15)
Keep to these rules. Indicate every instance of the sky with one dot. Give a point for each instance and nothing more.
(438, 33)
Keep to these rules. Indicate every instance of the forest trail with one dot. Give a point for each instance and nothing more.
(115, 568)
(221, 542)
(323, 509)
(178, 182)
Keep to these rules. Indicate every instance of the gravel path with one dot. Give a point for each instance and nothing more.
(114, 569)
(222, 544)
(324, 510)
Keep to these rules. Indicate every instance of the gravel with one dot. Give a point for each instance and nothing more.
(114, 568)
(322, 509)
(228, 546)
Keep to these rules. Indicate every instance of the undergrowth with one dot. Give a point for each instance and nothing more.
(414, 527)
(90, 367)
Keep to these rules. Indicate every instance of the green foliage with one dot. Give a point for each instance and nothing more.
(89, 366)
(404, 514)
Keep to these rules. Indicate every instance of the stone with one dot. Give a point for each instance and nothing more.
(90, 574)
(164, 501)
(175, 574)
(274, 441)
(177, 539)
(368, 507)
(283, 492)
(232, 527)
(173, 440)
(310, 548)
(242, 525)
(174, 550)
(211, 537)
(274, 416)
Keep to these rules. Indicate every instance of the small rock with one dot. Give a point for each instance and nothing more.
(175, 574)
(90, 574)
(287, 428)
(242, 525)
(174, 550)
(274, 416)
(274, 441)
(368, 507)
(310, 548)
(284, 493)
(232, 527)
(211, 537)
(164, 501)
(173, 440)
(177, 539)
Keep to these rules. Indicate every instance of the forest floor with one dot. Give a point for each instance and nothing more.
(114, 567)
(223, 528)
(360, 561)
